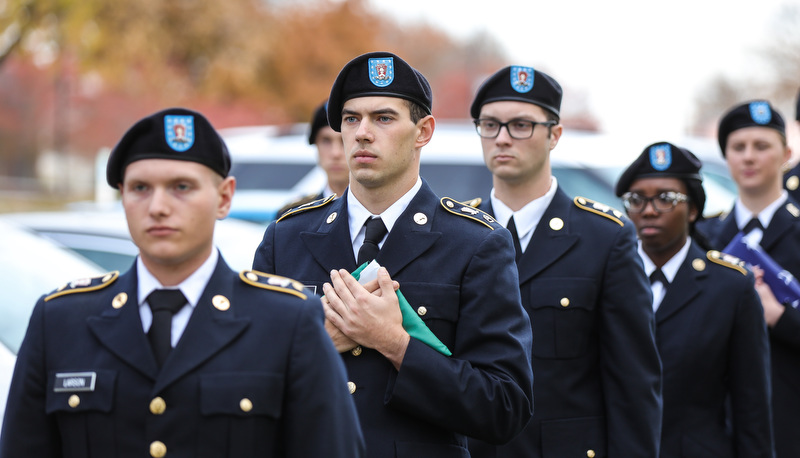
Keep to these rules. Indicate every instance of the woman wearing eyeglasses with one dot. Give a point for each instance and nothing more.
(710, 327)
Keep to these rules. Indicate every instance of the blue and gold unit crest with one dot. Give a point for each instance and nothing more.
(661, 156)
(760, 112)
(381, 71)
(522, 79)
(179, 131)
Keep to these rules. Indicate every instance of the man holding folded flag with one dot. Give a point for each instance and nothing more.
(454, 265)
(752, 137)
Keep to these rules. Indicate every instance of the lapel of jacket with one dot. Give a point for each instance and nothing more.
(330, 244)
(727, 230)
(120, 329)
(209, 329)
(783, 221)
(412, 234)
(549, 241)
(686, 285)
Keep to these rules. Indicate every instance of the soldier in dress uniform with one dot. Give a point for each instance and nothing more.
(752, 137)
(791, 179)
(597, 375)
(330, 158)
(180, 356)
(454, 264)
(710, 327)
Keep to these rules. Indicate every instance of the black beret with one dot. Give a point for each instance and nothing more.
(758, 113)
(319, 121)
(174, 133)
(520, 84)
(380, 74)
(665, 160)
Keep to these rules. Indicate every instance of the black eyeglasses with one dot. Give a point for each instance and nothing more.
(518, 129)
(663, 202)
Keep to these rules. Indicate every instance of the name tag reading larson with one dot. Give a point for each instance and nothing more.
(75, 381)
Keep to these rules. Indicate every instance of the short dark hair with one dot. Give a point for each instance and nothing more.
(416, 110)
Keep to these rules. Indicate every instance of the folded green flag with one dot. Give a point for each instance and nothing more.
(412, 323)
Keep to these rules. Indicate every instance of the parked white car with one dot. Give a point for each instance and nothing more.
(274, 166)
(30, 266)
(103, 236)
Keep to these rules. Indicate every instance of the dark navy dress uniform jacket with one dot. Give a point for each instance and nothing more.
(713, 344)
(781, 240)
(258, 379)
(459, 274)
(597, 373)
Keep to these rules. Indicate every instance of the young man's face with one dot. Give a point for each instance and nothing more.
(332, 159)
(755, 157)
(171, 207)
(518, 160)
(661, 231)
(381, 142)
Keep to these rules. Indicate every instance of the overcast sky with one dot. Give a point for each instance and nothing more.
(640, 63)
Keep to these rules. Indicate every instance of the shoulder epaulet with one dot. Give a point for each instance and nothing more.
(296, 203)
(792, 208)
(308, 206)
(84, 285)
(599, 209)
(273, 282)
(727, 260)
(463, 209)
(475, 203)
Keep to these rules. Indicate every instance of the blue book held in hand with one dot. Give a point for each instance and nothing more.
(784, 286)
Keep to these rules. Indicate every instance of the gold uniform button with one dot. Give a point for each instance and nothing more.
(565, 302)
(556, 224)
(590, 453)
(331, 218)
(792, 183)
(351, 387)
(251, 276)
(158, 406)
(119, 300)
(246, 405)
(220, 302)
(74, 401)
(356, 351)
(158, 449)
(422, 311)
(699, 265)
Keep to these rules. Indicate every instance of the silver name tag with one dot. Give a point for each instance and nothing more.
(75, 381)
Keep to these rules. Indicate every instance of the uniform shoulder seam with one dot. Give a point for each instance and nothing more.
(273, 283)
(466, 211)
(727, 260)
(307, 206)
(598, 208)
(84, 285)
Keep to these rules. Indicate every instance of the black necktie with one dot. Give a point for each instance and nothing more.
(164, 303)
(512, 227)
(658, 275)
(376, 230)
(752, 224)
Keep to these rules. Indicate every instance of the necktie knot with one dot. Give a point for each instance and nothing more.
(375, 232)
(658, 275)
(166, 300)
(754, 223)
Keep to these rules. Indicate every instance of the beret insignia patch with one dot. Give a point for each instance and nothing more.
(179, 131)
(381, 71)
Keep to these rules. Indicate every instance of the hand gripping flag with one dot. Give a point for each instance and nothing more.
(412, 323)
(784, 286)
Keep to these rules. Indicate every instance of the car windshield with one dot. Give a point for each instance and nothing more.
(263, 175)
(31, 266)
